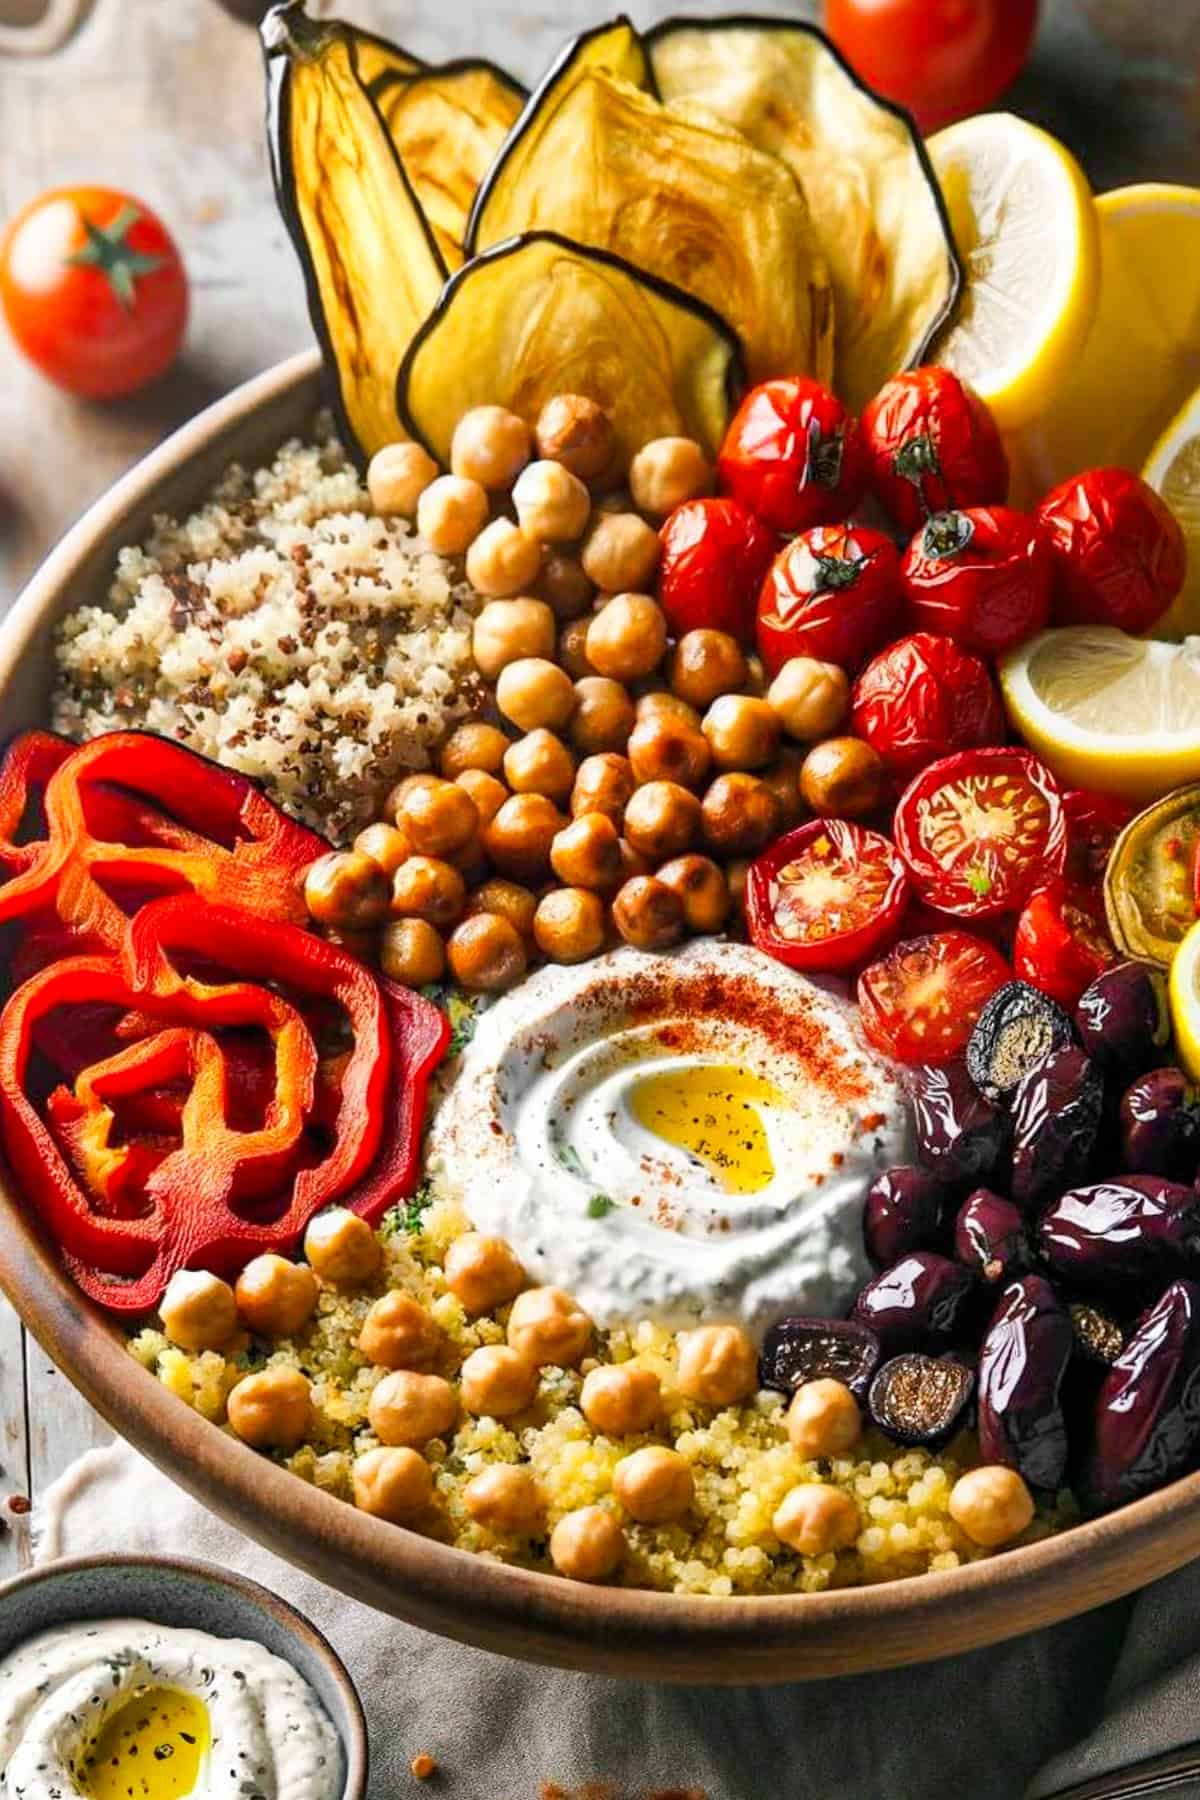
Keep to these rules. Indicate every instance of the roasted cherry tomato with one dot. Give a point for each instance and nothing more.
(826, 896)
(1152, 884)
(1119, 552)
(942, 59)
(933, 446)
(1094, 823)
(94, 290)
(921, 1001)
(715, 554)
(1062, 942)
(794, 455)
(981, 830)
(983, 575)
(922, 698)
(833, 593)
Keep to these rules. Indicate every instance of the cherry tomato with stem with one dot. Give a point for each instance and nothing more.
(940, 59)
(826, 896)
(715, 553)
(921, 1001)
(932, 446)
(922, 698)
(1094, 823)
(794, 455)
(1119, 553)
(983, 576)
(1062, 942)
(833, 593)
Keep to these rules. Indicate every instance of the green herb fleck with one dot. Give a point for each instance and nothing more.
(568, 1156)
(410, 1217)
(979, 882)
(460, 1012)
(599, 1206)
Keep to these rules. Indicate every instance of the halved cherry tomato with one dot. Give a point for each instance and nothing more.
(920, 1003)
(1062, 942)
(714, 556)
(979, 831)
(922, 698)
(826, 896)
(1152, 883)
(1119, 551)
(933, 446)
(834, 593)
(983, 576)
(794, 455)
(1094, 823)
(942, 59)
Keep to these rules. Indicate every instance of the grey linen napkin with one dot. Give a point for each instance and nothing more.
(1119, 1685)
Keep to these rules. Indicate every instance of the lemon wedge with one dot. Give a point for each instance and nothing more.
(1184, 993)
(1173, 470)
(1106, 710)
(1142, 358)
(1025, 225)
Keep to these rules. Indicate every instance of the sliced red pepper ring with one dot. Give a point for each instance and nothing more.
(25, 771)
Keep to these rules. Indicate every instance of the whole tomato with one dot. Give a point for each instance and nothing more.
(1062, 942)
(714, 556)
(794, 455)
(941, 59)
(1120, 555)
(983, 576)
(923, 698)
(933, 445)
(1094, 823)
(94, 290)
(833, 593)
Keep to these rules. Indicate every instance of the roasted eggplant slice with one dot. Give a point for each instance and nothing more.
(372, 267)
(874, 200)
(540, 316)
(685, 198)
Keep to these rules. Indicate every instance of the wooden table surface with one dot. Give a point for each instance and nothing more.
(166, 101)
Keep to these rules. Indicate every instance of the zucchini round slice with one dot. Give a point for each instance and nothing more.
(539, 316)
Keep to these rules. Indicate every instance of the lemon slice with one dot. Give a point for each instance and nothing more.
(1142, 358)
(1184, 991)
(1173, 471)
(1025, 226)
(1106, 710)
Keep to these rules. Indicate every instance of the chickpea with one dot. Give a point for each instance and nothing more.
(658, 703)
(603, 717)
(702, 890)
(992, 1505)
(668, 471)
(408, 1408)
(198, 1310)
(487, 954)
(587, 1545)
(518, 839)
(272, 1409)
(547, 1326)
(633, 863)
(742, 732)
(475, 744)
(471, 860)
(552, 505)
(815, 1519)
(569, 925)
(451, 513)
(577, 433)
(564, 584)
(718, 1365)
(509, 900)
(482, 1272)
(756, 677)
(502, 561)
(603, 784)
(663, 748)
(491, 446)
(438, 819)
(505, 1499)
(586, 853)
(823, 1419)
(627, 637)
(844, 778)
(276, 1298)
(533, 692)
(496, 1382)
(654, 1485)
(809, 698)
(572, 648)
(347, 889)
(540, 763)
(506, 631)
(392, 1484)
(648, 914)
(427, 888)
(783, 780)
(408, 784)
(386, 845)
(342, 1248)
(662, 819)
(739, 814)
(411, 952)
(486, 791)
(621, 1399)
(621, 554)
(397, 476)
(398, 1333)
(706, 664)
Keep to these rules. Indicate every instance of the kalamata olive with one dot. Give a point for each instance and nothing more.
(1123, 1019)
(920, 1303)
(990, 1237)
(1147, 1419)
(906, 1209)
(1056, 1120)
(1098, 1341)
(1015, 1033)
(797, 1350)
(1022, 1362)
(1134, 1228)
(921, 1400)
(961, 1136)
(1160, 1125)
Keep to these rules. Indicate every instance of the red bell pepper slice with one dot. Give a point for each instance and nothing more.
(28, 764)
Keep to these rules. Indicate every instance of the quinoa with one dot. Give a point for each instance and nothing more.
(285, 631)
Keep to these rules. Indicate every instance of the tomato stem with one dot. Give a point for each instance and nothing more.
(109, 251)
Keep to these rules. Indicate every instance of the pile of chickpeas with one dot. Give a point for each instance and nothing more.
(617, 784)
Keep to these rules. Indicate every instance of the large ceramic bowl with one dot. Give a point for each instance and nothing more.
(534, 1616)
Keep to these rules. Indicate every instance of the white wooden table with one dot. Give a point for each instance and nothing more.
(164, 98)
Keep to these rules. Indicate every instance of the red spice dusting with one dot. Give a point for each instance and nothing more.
(423, 1766)
(874, 1122)
(19, 1504)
